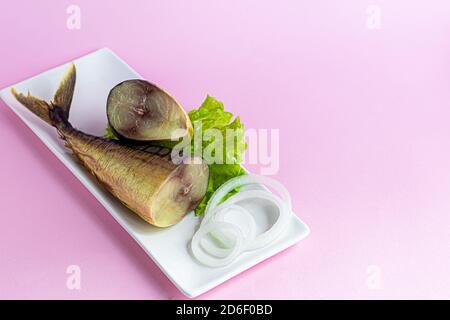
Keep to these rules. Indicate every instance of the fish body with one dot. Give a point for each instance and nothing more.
(145, 179)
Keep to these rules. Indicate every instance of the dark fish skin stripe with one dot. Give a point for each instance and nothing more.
(151, 149)
(164, 151)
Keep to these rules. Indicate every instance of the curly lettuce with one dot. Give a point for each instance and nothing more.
(212, 115)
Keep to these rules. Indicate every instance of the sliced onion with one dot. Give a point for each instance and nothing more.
(236, 239)
(248, 229)
(208, 259)
(240, 181)
(277, 228)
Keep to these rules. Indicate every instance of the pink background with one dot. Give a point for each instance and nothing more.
(365, 141)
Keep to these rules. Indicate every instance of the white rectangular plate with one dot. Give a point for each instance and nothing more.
(97, 73)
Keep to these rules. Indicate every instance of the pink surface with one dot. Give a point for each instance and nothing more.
(365, 148)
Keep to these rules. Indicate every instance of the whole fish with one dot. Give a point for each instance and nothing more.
(145, 179)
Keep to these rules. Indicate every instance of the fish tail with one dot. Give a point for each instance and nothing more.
(55, 112)
(64, 94)
(39, 107)
(59, 120)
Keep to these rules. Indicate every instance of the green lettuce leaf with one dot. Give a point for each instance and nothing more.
(212, 115)
(110, 133)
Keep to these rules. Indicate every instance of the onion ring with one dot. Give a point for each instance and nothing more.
(241, 239)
